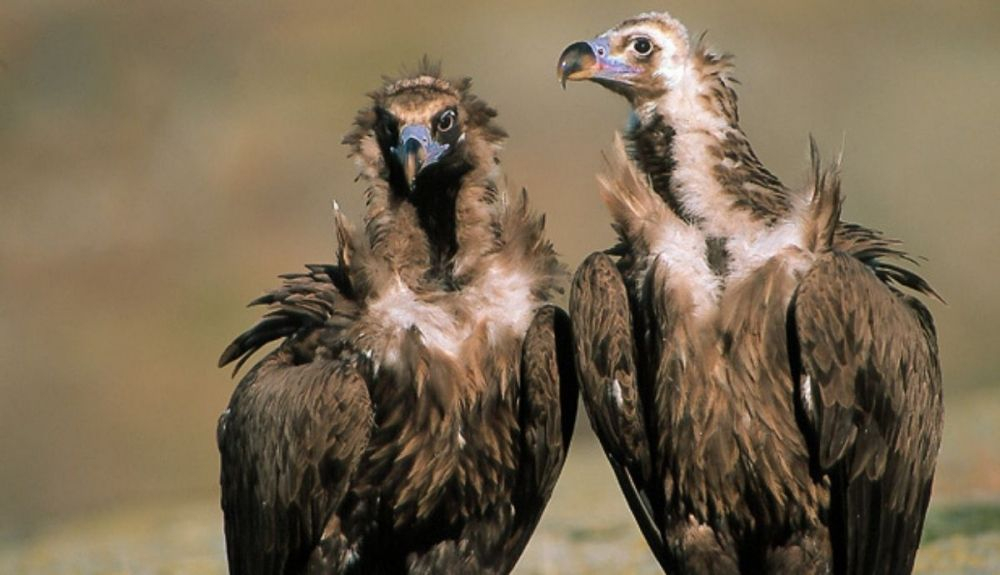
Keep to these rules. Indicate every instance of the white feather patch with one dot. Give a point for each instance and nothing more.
(501, 299)
(400, 309)
(807, 396)
(750, 250)
(616, 393)
(682, 247)
(697, 128)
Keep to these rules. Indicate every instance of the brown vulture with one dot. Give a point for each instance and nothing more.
(417, 413)
(763, 380)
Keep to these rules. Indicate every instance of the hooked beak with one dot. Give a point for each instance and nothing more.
(416, 150)
(577, 62)
(592, 60)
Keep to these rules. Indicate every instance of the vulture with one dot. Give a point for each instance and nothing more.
(417, 412)
(762, 375)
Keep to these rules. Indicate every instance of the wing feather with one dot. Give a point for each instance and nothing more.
(305, 301)
(606, 363)
(548, 403)
(290, 442)
(870, 388)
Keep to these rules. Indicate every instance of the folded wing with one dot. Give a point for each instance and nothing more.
(606, 363)
(870, 389)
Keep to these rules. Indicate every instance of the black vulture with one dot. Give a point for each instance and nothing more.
(417, 413)
(763, 379)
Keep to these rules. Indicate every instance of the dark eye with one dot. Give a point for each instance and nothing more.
(446, 121)
(642, 46)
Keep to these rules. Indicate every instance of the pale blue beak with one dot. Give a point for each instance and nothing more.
(592, 60)
(416, 150)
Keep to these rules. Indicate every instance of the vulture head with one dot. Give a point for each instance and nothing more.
(642, 58)
(420, 134)
(429, 151)
(424, 133)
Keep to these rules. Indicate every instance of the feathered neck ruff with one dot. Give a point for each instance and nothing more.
(693, 130)
(490, 227)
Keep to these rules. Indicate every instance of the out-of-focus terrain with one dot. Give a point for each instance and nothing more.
(161, 163)
(587, 529)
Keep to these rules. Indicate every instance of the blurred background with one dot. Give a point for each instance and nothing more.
(161, 163)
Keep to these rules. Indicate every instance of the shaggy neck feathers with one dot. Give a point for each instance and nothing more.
(699, 160)
(693, 191)
(651, 144)
(456, 259)
(432, 237)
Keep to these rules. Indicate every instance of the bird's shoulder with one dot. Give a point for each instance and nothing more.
(308, 308)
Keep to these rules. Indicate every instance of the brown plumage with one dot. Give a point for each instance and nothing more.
(766, 389)
(417, 414)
